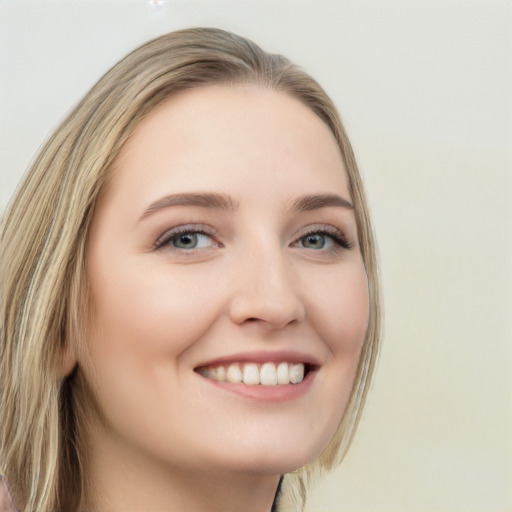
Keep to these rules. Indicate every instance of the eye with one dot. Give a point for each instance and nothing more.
(316, 241)
(325, 238)
(185, 238)
(190, 240)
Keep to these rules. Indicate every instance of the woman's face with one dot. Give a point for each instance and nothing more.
(225, 248)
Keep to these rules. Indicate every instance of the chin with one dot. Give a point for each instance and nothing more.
(276, 456)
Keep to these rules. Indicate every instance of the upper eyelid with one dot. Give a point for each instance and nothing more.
(328, 229)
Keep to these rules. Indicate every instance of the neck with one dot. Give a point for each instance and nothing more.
(127, 484)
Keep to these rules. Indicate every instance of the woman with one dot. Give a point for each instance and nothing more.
(189, 292)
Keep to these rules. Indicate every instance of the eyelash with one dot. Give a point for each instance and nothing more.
(180, 231)
(333, 233)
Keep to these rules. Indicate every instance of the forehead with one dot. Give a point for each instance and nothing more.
(222, 137)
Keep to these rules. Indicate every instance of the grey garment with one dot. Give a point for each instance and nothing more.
(7, 503)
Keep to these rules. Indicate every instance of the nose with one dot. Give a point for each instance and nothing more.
(266, 292)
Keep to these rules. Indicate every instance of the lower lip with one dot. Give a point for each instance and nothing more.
(282, 393)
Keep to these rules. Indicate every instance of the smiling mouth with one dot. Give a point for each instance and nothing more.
(256, 374)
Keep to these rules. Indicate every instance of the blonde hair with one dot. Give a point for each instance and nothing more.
(43, 285)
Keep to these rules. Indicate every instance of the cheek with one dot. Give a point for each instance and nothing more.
(341, 309)
(144, 321)
(343, 314)
(149, 308)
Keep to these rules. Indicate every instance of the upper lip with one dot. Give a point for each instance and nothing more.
(289, 356)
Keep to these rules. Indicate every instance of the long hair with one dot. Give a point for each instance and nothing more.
(44, 297)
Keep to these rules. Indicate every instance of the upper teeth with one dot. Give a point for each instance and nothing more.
(252, 374)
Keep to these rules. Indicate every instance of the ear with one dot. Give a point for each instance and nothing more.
(67, 361)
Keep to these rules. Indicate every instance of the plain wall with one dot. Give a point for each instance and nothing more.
(425, 91)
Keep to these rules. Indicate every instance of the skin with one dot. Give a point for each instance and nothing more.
(7, 503)
(167, 438)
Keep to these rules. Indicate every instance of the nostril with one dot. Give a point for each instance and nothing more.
(268, 323)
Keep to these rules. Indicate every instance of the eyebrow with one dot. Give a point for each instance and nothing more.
(224, 202)
(317, 201)
(207, 200)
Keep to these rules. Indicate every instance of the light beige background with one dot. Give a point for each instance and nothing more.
(425, 90)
